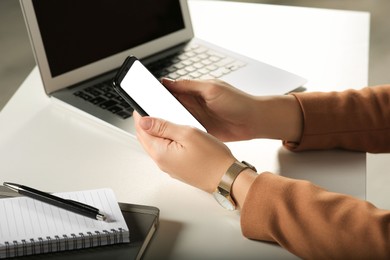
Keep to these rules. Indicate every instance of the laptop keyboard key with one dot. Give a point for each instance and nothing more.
(124, 114)
(115, 109)
(108, 104)
(97, 100)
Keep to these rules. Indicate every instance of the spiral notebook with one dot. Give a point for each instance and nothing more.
(29, 227)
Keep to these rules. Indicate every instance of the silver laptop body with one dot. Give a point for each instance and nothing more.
(80, 44)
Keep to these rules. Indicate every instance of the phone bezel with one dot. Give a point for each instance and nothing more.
(127, 64)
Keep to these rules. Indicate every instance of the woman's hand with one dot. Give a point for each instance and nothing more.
(226, 112)
(232, 115)
(184, 152)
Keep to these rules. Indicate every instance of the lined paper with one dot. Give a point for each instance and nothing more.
(24, 220)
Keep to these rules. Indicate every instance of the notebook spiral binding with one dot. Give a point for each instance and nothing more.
(63, 243)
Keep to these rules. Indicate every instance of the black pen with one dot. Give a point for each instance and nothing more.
(71, 205)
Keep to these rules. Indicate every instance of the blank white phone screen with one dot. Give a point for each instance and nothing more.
(154, 98)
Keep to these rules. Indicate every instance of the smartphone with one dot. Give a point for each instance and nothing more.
(135, 84)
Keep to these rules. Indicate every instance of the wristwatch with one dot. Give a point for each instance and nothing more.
(223, 192)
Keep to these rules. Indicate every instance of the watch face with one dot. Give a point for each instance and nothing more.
(225, 202)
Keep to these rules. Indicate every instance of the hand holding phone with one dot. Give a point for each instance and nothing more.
(148, 96)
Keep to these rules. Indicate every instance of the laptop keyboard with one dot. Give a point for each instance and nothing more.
(104, 96)
(194, 62)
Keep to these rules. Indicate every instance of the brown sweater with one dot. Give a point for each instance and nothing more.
(307, 220)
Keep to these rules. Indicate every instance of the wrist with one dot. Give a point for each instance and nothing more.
(242, 185)
(279, 117)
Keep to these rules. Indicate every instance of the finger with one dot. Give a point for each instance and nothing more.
(136, 116)
(185, 86)
(161, 128)
(153, 145)
(140, 123)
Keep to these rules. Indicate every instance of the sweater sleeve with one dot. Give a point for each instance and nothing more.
(313, 223)
(307, 220)
(356, 120)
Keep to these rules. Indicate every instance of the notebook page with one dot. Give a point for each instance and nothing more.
(24, 218)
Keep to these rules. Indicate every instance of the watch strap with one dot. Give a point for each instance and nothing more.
(223, 192)
(231, 174)
(224, 189)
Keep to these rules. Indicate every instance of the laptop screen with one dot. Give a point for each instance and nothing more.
(76, 33)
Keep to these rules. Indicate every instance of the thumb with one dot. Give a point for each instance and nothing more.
(159, 127)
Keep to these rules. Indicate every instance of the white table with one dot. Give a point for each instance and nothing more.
(50, 146)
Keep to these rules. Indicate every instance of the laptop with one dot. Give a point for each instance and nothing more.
(79, 45)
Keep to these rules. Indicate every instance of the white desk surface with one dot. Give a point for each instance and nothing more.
(52, 147)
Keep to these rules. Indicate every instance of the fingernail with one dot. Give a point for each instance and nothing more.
(145, 123)
(167, 81)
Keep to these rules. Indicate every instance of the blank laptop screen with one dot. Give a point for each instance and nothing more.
(79, 32)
